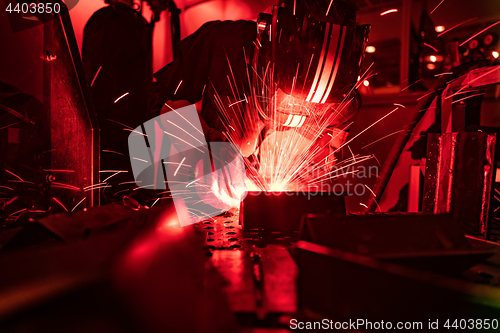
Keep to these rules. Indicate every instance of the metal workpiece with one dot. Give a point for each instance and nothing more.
(421, 262)
(282, 211)
(259, 272)
(459, 176)
(431, 242)
(340, 285)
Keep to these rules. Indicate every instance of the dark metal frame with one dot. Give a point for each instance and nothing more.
(461, 76)
(64, 22)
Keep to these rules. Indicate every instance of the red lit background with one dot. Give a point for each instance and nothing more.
(194, 14)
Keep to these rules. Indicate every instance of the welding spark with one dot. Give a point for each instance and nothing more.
(178, 167)
(119, 123)
(195, 127)
(243, 100)
(352, 154)
(194, 181)
(125, 190)
(192, 210)
(59, 202)
(329, 6)
(462, 99)
(97, 188)
(429, 93)
(112, 151)
(480, 32)
(369, 76)
(13, 124)
(178, 86)
(445, 73)
(36, 211)
(455, 26)
(95, 76)
(116, 100)
(136, 132)
(155, 202)
(91, 186)
(11, 201)
(20, 181)
(121, 171)
(186, 165)
(19, 211)
(369, 189)
(376, 122)
(78, 204)
(65, 186)
(461, 90)
(140, 159)
(171, 108)
(408, 86)
(144, 186)
(439, 4)
(232, 75)
(183, 141)
(186, 132)
(389, 11)
(383, 138)
(130, 182)
(13, 174)
(430, 46)
(373, 193)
